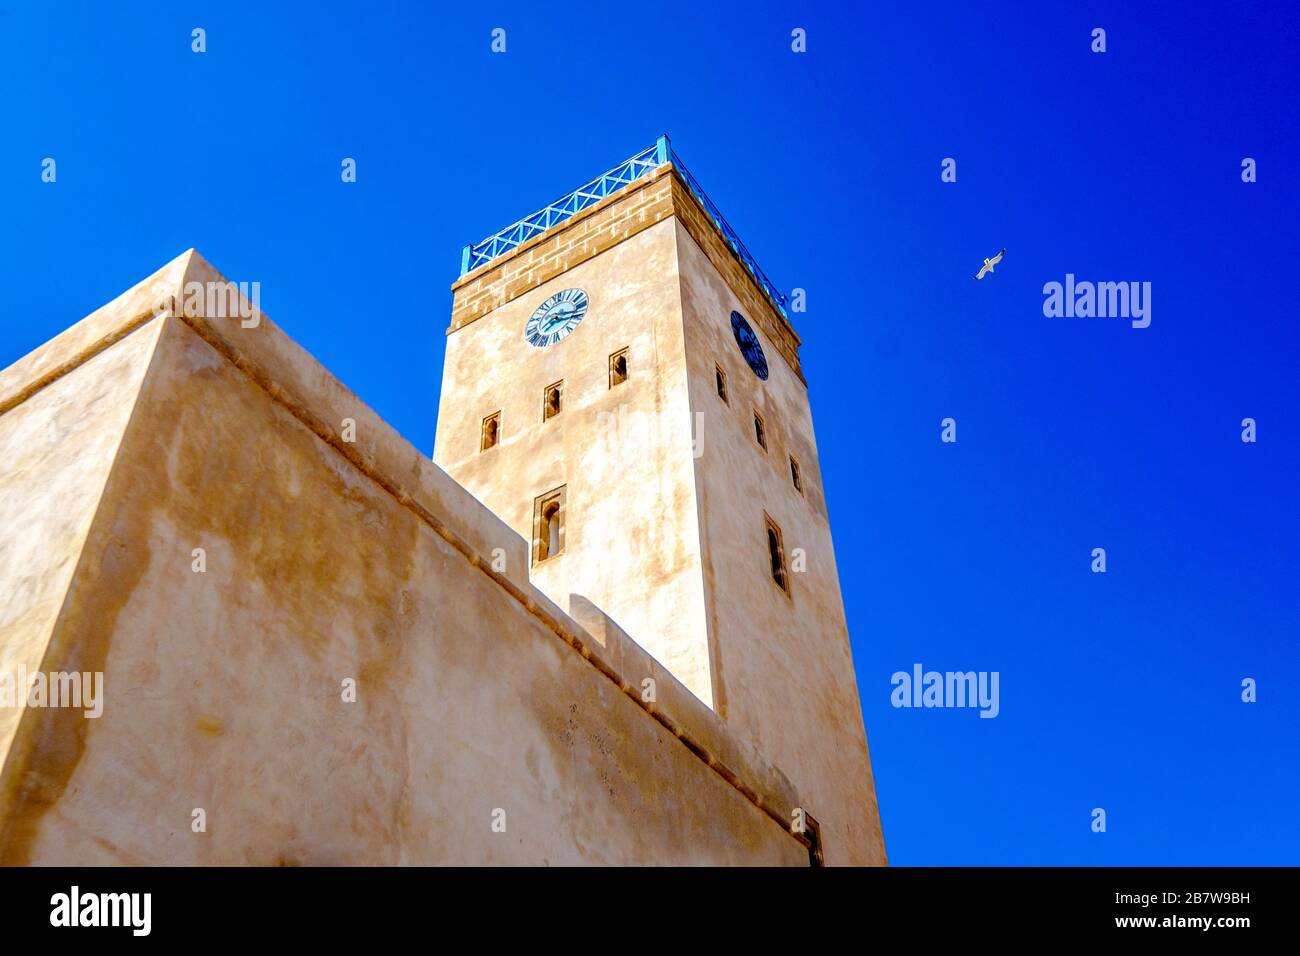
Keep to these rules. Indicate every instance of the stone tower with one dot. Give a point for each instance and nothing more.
(622, 388)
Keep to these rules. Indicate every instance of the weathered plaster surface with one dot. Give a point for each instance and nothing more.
(785, 669)
(328, 560)
(624, 454)
(57, 449)
(667, 488)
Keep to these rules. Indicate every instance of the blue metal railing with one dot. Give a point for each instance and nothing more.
(593, 192)
(628, 171)
(779, 298)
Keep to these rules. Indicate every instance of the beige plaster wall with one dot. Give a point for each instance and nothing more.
(56, 450)
(784, 672)
(328, 561)
(624, 454)
(776, 668)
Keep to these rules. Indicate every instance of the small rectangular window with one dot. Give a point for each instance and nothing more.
(721, 377)
(491, 432)
(618, 368)
(776, 555)
(548, 525)
(794, 475)
(759, 433)
(551, 400)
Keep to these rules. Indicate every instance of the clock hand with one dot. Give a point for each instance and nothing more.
(553, 321)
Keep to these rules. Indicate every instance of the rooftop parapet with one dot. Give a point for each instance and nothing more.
(642, 164)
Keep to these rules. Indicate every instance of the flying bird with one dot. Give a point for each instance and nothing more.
(990, 263)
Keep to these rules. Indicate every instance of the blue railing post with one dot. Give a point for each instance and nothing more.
(464, 260)
(662, 150)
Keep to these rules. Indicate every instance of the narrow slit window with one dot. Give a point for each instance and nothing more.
(795, 477)
(776, 556)
(548, 525)
(491, 432)
(759, 433)
(551, 529)
(551, 400)
(618, 368)
(721, 377)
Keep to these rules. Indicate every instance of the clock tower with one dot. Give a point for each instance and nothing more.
(622, 387)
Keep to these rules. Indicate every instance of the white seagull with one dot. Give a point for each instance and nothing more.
(990, 263)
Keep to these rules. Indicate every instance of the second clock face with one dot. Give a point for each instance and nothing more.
(556, 318)
(749, 345)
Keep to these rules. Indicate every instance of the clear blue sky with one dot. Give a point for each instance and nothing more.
(1120, 690)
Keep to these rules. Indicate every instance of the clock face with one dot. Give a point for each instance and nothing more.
(749, 345)
(556, 318)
